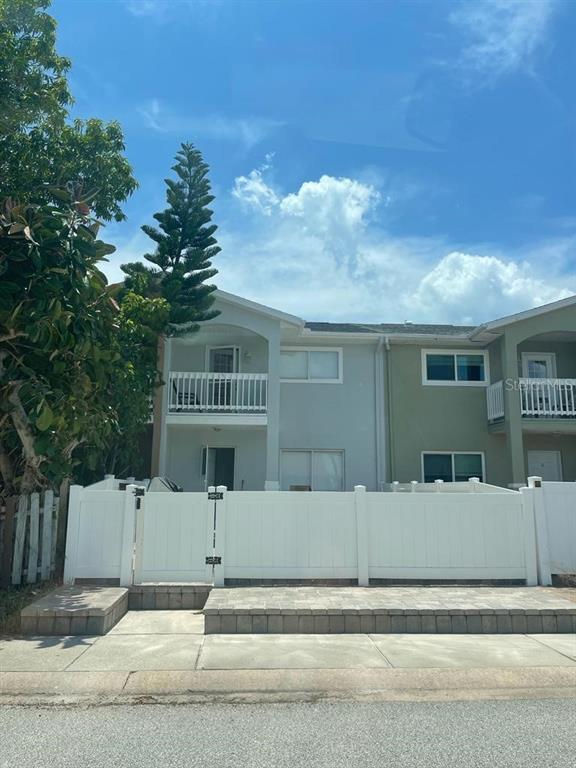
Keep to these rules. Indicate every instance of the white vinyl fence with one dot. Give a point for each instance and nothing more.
(476, 532)
(555, 508)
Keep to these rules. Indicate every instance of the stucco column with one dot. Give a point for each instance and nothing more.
(163, 448)
(157, 417)
(272, 482)
(512, 410)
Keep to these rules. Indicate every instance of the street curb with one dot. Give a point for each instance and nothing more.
(284, 686)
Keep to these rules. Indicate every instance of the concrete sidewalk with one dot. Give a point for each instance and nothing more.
(165, 655)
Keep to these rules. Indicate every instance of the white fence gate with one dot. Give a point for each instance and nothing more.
(174, 534)
(471, 532)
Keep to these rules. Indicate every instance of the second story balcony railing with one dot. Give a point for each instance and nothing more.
(539, 398)
(206, 392)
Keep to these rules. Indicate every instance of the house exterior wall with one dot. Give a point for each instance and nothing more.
(565, 353)
(381, 415)
(336, 416)
(191, 356)
(184, 459)
(565, 444)
(436, 418)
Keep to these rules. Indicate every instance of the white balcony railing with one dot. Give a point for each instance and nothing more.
(495, 401)
(550, 398)
(539, 398)
(200, 392)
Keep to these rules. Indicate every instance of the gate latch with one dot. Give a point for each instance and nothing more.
(216, 560)
(139, 493)
(215, 496)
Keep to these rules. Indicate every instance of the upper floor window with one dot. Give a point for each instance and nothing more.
(447, 367)
(323, 366)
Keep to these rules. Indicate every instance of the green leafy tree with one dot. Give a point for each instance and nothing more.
(58, 348)
(185, 247)
(40, 150)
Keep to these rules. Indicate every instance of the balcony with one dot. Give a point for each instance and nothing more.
(206, 395)
(539, 399)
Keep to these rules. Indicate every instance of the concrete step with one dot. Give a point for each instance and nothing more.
(168, 596)
(75, 611)
(384, 610)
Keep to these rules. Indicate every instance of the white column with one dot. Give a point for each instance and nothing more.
(541, 525)
(529, 529)
(361, 505)
(128, 537)
(272, 482)
(163, 454)
(220, 538)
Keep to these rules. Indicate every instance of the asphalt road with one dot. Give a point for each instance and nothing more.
(330, 735)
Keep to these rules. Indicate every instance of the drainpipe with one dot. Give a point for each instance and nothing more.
(389, 410)
(380, 410)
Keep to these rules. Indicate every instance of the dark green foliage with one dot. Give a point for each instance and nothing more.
(185, 247)
(39, 149)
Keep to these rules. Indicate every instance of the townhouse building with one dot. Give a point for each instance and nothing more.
(260, 399)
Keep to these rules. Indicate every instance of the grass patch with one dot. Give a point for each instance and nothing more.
(13, 599)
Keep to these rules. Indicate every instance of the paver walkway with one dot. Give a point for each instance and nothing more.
(400, 598)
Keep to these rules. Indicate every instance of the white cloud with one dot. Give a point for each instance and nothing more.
(254, 193)
(464, 285)
(319, 253)
(246, 130)
(502, 36)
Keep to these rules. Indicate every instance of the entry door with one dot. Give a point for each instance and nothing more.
(224, 467)
(545, 464)
(218, 467)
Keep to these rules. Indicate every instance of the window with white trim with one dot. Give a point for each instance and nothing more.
(312, 470)
(299, 364)
(452, 467)
(447, 367)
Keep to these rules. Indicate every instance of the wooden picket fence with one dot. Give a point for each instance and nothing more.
(28, 529)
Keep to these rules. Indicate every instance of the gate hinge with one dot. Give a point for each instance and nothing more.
(216, 560)
(215, 495)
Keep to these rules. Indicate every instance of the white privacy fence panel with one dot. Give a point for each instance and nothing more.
(447, 536)
(95, 538)
(287, 535)
(556, 519)
(166, 537)
(173, 537)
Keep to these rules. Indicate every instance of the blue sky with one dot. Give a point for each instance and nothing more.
(381, 161)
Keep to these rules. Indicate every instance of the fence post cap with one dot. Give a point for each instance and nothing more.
(473, 479)
(535, 482)
(221, 488)
(359, 488)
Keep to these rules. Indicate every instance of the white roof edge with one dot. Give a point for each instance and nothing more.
(232, 298)
(525, 315)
